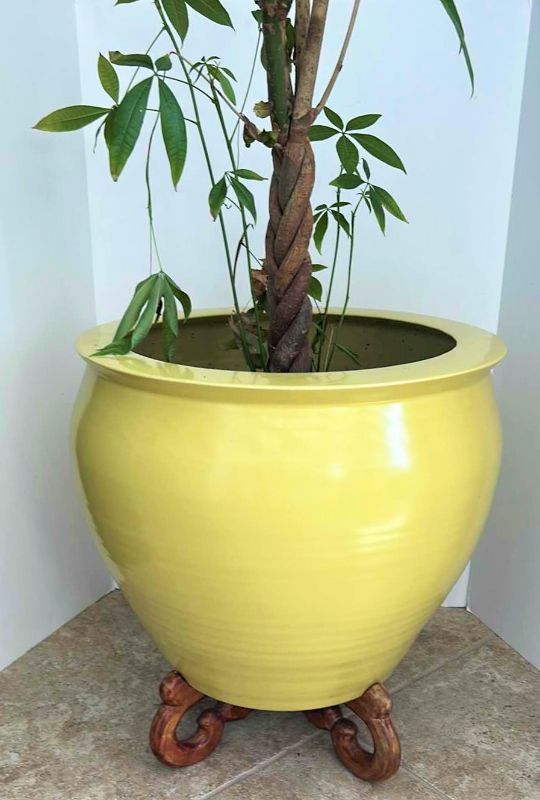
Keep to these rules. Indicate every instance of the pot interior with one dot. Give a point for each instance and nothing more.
(375, 342)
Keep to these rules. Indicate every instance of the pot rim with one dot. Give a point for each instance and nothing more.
(476, 350)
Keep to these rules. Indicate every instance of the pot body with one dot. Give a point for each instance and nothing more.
(284, 542)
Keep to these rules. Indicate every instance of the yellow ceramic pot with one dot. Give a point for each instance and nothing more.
(284, 538)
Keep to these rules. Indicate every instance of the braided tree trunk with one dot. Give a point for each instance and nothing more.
(288, 263)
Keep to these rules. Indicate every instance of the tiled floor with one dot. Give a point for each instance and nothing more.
(75, 713)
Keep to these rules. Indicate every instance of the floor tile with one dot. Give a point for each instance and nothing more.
(472, 728)
(449, 632)
(313, 772)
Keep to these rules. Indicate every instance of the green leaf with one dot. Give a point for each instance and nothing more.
(70, 119)
(177, 13)
(173, 128)
(319, 231)
(116, 348)
(248, 175)
(126, 124)
(388, 202)
(364, 121)
(376, 147)
(245, 198)
(342, 222)
(212, 9)
(450, 8)
(347, 154)
(318, 267)
(334, 118)
(347, 181)
(164, 63)
(217, 196)
(224, 82)
(123, 2)
(131, 315)
(170, 322)
(131, 59)
(365, 166)
(146, 320)
(257, 16)
(108, 77)
(315, 289)
(378, 210)
(180, 295)
(317, 133)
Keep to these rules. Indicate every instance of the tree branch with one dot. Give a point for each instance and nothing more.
(277, 66)
(341, 58)
(301, 25)
(310, 60)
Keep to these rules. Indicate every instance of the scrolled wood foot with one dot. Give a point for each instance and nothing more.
(373, 708)
(177, 698)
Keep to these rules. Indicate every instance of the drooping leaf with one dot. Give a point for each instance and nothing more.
(376, 147)
(248, 175)
(245, 198)
(108, 78)
(342, 222)
(315, 289)
(180, 295)
(217, 196)
(317, 133)
(364, 121)
(388, 202)
(213, 10)
(173, 128)
(319, 231)
(116, 348)
(131, 315)
(70, 119)
(334, 118)
(347, 181)
(170, 322)
(131, 59)
(177, 13)
(450, 8)
(146, 320)
(347, 154)
(126, 124)
(164, 63)
(378, 210)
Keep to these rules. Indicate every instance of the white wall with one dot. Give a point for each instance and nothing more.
(505, 585)
(49, 570)
(404, 64)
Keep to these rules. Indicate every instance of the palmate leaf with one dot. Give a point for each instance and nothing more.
(334, 118)
(173, 128)
(347, 181)
(108, 78)
(125, 126)
(364, 121)
(213, 10)
(131, 59)
(248, 175)
(224, 82)
(450, 8)
(164, 63)
(146, 320)
(376, 147)
(170, 322)
(217, 196)
(131, 315)
(319, 232)
(177, 13)
(378, 209)
(317, 133)
(315, 289)
(342, 222)
(70, 119)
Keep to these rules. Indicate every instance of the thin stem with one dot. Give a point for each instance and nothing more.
(246, 95)
(348, 287)
(152, 43)
(341, 58)
(206, 153)
(153, 240)
(324, 320)
(197, 88)
(244, 227)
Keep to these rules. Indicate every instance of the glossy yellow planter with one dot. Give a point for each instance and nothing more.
(284, 538)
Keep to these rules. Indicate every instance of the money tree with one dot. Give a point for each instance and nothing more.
(285, 325)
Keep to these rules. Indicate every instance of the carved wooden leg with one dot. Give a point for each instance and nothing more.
(178, 697)
(374, 709)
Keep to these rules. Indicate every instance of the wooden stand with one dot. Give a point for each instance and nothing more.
(373, 708)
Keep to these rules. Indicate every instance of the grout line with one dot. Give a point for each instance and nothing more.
(427, 784)
(435, 668)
